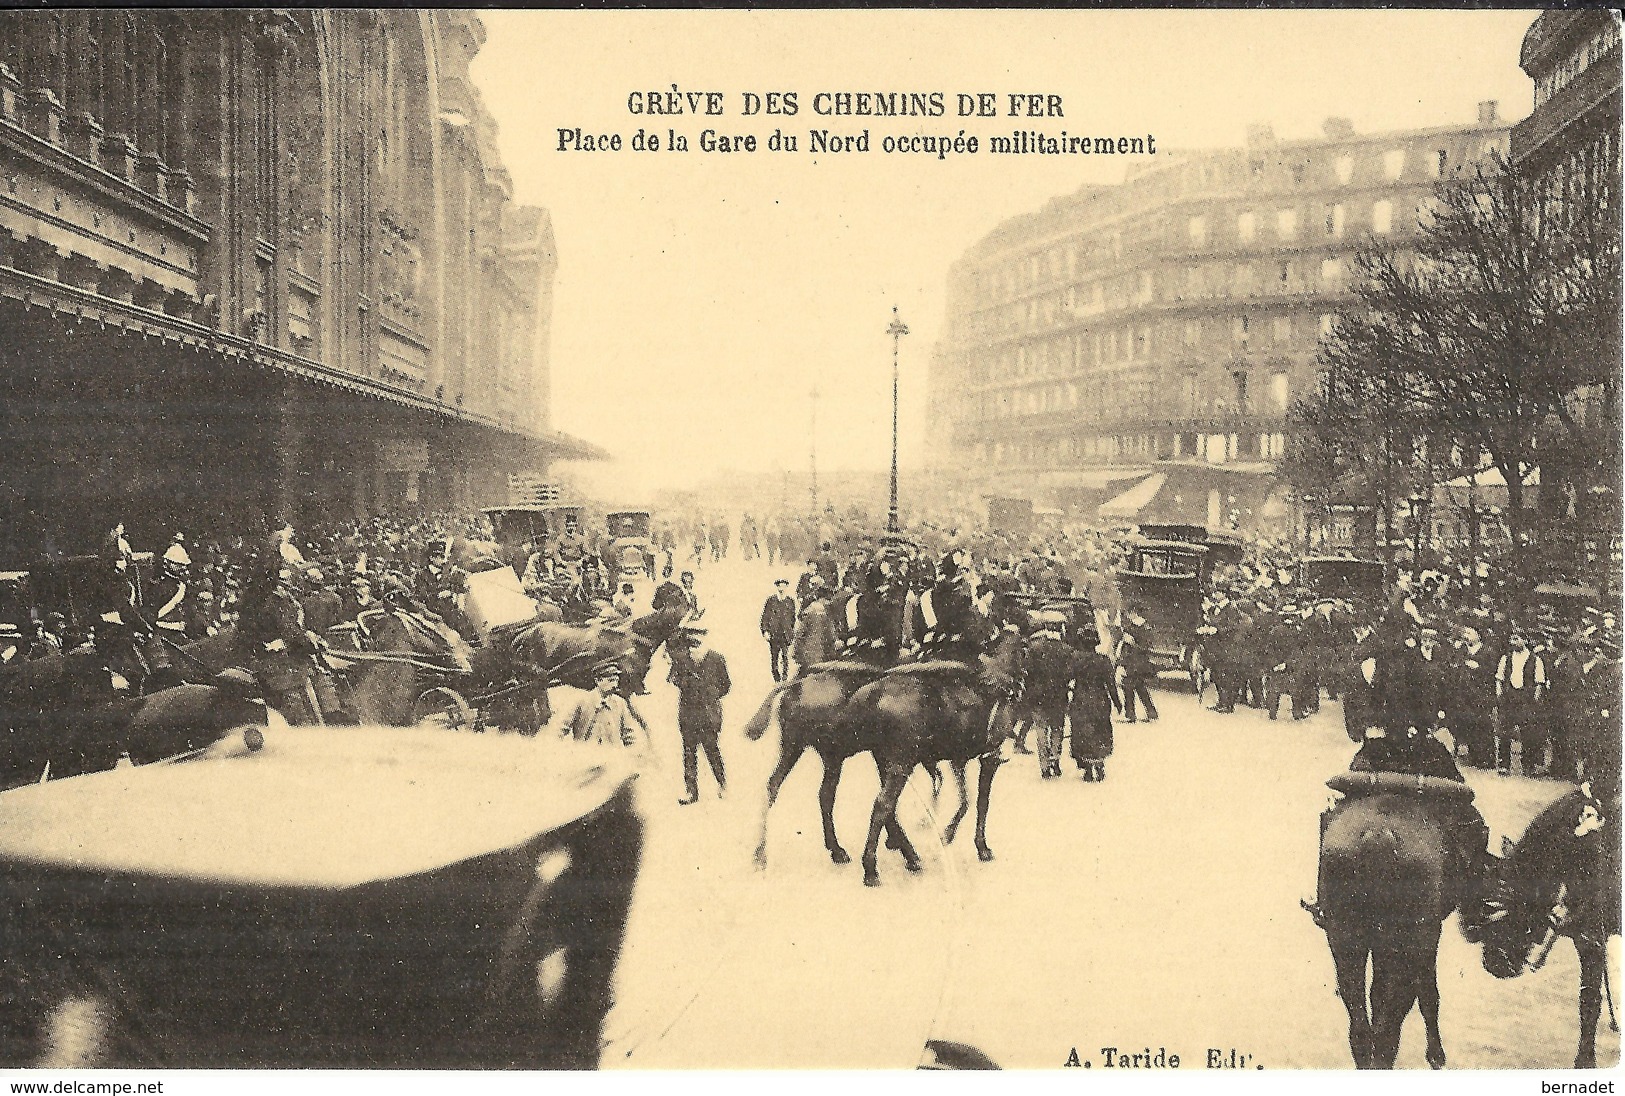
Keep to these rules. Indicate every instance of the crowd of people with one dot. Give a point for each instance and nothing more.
(1444, 653)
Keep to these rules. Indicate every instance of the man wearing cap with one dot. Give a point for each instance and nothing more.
(779, 627)
(1472, 697)
(1135, 669)
(603, 716)
(1051, 666)
(701, 677)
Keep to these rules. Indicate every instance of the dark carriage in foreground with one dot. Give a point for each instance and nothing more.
(364, 898)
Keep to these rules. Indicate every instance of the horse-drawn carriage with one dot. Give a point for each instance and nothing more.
(521, 530)
(632, 550)
(383, 898)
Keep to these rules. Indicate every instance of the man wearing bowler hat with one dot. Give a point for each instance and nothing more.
(779, 627)
(701, 677)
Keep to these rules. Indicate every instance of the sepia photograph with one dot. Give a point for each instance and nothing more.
(538, 540)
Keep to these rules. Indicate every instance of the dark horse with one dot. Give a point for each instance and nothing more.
(546, 653)
(809, 711)
(70, 742)
(930, 712)
(1387, 883)
(1561, 879)
(382, 692)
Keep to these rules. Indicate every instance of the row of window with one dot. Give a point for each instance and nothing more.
(1067, 449)
(1022, 273)
(1332, 220)
(1095, 399)
(1283, 331)
(1588, 53)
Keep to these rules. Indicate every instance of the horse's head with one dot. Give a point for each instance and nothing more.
(1526, 900)
(403, 633)
(659, 626)
(1005, 661)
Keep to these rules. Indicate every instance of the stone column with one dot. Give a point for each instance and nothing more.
(82, 136)
(292, 470)
(45, 115)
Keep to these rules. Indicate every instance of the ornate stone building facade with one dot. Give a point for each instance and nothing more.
(256, 261)
(1172, 318)
(1571, 143)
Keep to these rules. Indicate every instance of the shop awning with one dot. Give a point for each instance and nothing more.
(1136, 498)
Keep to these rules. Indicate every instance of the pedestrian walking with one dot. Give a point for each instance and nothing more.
(779, 627)
(603, 716)
(1051, 665)
(815, 639)
(1094, 697)
(1135, 669)
(701, 677)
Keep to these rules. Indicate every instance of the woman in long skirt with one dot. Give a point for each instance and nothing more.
(1094, 697)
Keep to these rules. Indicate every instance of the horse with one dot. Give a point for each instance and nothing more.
(928, 712)
(546, 653)
(386, 692)
(1562, 878)
(809, 710)
(1387, 883)
(381, 692)
(144, 728)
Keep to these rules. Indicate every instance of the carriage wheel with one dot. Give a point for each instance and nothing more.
(443, 705)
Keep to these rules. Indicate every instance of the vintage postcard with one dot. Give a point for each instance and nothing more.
(535, 540)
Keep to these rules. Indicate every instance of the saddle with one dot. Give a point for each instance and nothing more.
(1356, 784)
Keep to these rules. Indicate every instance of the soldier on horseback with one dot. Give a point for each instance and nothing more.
(283, 650)
(1401, 740)
(946, 619)
(874, 618)
(119, 622)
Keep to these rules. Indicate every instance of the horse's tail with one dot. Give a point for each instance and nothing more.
(764, 715)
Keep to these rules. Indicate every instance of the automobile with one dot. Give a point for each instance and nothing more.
(524, 529)
(388, 898)
(1341, 576)
(631, 544)
(1163, 582)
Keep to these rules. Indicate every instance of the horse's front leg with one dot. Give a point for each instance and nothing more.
(984, 789)
(891, 787)
(951, 831)
(1593, 960)
(827, 789)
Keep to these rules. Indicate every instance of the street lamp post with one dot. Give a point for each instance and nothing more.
(814, 487)
(897, 330)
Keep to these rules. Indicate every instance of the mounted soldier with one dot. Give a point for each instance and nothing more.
(168, 605)
(946, 621)
(874, 618)
(1402, 744)
(272, 624)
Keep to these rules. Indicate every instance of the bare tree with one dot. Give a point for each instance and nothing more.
(1478, 330)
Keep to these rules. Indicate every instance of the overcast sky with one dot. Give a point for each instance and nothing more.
(701, 297)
